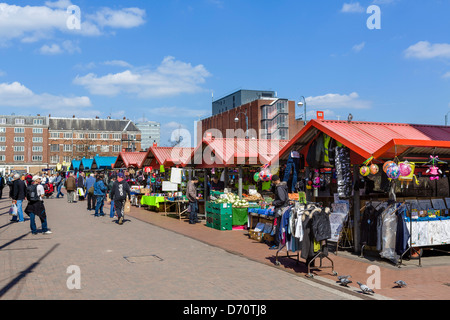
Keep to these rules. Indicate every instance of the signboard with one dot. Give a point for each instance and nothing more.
(169, 186)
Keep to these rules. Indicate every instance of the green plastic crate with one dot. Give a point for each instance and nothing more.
(222, 226)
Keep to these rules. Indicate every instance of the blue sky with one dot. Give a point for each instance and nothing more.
(163, 60)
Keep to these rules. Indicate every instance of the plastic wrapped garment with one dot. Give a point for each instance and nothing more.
(343, 172)
(388, 234)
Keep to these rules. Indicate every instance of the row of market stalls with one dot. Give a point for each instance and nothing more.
(360, 170)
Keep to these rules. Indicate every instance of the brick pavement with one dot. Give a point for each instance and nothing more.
(429, 282)
(140, 260)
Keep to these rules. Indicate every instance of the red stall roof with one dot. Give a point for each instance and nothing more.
(130, 159)
(379, 139)
(171, 156)
(220, 152)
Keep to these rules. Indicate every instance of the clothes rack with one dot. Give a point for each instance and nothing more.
(321, 254)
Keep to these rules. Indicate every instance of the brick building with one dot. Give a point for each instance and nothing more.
(78, 138)
(23, 143)
(268, 118)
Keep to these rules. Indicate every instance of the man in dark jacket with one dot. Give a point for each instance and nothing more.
(281, 201)
(119, 192)
(191, 194)
(18, 195)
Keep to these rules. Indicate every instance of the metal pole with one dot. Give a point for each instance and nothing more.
(240, 182)
(356, 213)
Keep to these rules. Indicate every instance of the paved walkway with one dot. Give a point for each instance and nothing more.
(136, 261)
(429, 282)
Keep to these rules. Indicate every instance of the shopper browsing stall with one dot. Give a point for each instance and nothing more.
(191, 194)
(280, 202)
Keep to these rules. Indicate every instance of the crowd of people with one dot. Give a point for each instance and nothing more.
(32, 190)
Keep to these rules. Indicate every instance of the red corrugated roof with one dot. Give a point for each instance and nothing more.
(130, 159)
(171, 156)
(371, 138)
(232, 152)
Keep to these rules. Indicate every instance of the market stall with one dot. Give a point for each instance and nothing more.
(343, 168)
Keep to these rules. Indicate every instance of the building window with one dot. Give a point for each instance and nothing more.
(116, 148)
(38, 121)
(80, 147)
(67, 148)
(67, 159)
(81, 136)
(2, 148)
(38, 130)
(2, 158)
(2, 130)
(68, 135)
(2, 120)
(38, 139)
(19, 130)
(19, 121)
(104, 136)
(54, 159)
(36, 158)
(37, 149)
(92, 136)
(19, 158)
(19, 148)
(55, 135)
(104, 148)
(116, 136)
(2, 139)
(19, 139)
(54, 147)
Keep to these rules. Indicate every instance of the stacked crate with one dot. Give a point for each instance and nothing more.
(219, 216)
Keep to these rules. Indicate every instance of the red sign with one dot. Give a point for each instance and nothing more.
(148, 169)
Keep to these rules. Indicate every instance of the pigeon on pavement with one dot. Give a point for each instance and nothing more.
(400, 283)
(365, 289)
(340, 278)
(345, 282)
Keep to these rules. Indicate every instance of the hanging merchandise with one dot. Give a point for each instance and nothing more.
(364, 171)
(386, 165)
(434, 170)
(407, 173)
(374, 169)
(393, 171)
(256, 177)
(343, 172)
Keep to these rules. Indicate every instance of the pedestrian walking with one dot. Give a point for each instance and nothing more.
(71, 186)
(35, 206)
(59, 182)
(119, 192)
(89, 186)
(110, 187)
(19, 194)
(2, 185)
(100, 193)
(80, 186)
(191, 194)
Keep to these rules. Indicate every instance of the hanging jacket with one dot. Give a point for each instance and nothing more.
(311, 155)
(321, 224)
(326, 144)
(320, 150)
(281, 196)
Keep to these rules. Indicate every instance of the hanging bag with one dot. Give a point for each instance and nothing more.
(13, 210)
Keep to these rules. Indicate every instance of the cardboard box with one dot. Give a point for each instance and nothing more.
(255, 235)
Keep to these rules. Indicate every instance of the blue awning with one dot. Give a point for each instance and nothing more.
(104, 162)
(76, 164)
(87, 163)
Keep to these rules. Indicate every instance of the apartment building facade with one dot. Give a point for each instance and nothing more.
(263, 118)
(150, 133)
(78, 138)
(23, 143)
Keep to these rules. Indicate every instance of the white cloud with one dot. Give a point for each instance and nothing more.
(359, 47)
(426, 50)
(117, 63)
(336, 101)
(352, 8)
(16, 94)
(171, 77)
(34, 23)
(446, 75)
(65, 47)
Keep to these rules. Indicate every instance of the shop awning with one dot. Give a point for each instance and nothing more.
(378, 139)
(86, 164)
(219, 152)
(75, 164)
(167, 156)
(103, 162)
(130, 159)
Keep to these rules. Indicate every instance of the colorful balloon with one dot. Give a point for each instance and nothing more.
(364, 171)
(374, 169)
(386, 165)
(405, 168)
(393, 171)
(256, 177)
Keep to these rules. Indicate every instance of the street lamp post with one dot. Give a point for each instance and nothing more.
(300, 104)
(246, 122)
(446, 118)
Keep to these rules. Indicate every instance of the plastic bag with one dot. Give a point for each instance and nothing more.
(388, 235)
(13, 210)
